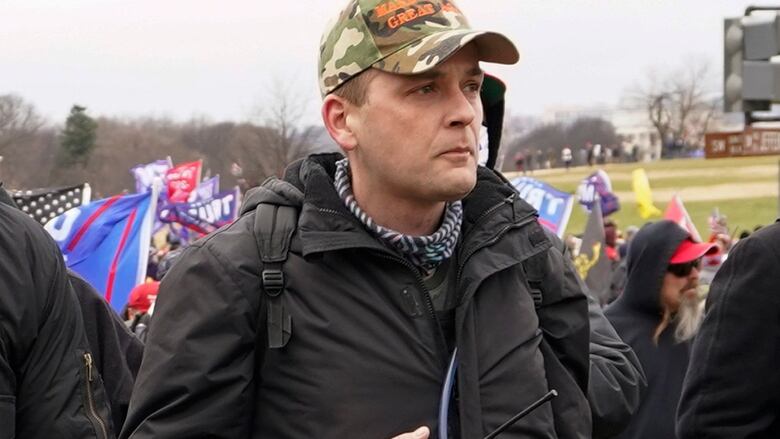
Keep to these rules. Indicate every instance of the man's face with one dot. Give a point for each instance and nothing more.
(680, 285)
(417, 134)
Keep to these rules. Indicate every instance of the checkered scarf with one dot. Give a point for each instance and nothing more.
(425, 252)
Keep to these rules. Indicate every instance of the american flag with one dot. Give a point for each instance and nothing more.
(43, 205)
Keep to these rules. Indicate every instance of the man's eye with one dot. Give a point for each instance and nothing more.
(426, 89)
(473, 87)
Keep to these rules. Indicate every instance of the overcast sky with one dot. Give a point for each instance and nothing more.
(193, 58)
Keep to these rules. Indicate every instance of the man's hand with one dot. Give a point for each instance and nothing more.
(420, 433)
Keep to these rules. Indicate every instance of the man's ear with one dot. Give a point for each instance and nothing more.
(336, 114)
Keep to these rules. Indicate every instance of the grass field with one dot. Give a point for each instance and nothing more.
(743, 189)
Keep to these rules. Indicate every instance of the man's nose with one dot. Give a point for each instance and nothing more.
(461, 109)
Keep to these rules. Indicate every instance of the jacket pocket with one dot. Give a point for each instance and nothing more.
(93, 396)
(7, 416)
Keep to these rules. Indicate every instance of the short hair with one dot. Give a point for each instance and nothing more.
(355, 90)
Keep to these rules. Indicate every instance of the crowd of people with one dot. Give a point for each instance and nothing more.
(397, 290)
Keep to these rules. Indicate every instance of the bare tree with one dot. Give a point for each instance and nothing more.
(680, 105)
(280, 137)
(18, 121)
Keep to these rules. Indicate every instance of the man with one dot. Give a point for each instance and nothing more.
(656, 315)
(49, 385)
(405, 259)
(732, 389)
(566, 157)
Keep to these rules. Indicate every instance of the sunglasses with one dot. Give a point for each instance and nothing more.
(684, 269)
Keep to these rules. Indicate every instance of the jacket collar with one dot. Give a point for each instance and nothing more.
(325, 224)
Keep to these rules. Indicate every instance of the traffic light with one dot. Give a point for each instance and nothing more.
(751, 78)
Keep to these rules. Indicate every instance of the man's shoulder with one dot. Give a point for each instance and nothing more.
(22, 236)
(233, 242)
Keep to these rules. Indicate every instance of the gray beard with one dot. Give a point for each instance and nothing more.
(688, 319)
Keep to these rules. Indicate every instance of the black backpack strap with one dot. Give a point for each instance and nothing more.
(274, 229)
(535, 267)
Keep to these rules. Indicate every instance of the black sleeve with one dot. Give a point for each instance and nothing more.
(43, 332)
(616, 377)
(197, 374)
(732, 388)
(563, 315)
(563, 318)
(116, 350)
(616, 380)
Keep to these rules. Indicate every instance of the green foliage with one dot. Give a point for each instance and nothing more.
(78, 137)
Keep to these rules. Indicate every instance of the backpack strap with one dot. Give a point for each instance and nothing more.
(535, 267)
(274, 228)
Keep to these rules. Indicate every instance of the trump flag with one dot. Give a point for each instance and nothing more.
(107, 242)
(554, 206)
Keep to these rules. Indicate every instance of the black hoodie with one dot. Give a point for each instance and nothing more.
(636, 314)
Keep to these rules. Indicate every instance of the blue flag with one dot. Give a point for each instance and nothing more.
(107, 242)
(554, 206)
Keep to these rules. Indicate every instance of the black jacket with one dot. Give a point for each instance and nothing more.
(48, 384)
(636, 314)
(366, 358)
(732, 389)
(117, 352)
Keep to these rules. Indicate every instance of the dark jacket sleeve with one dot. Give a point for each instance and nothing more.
(732, 388)
(44, 373)
(563, 317)
(616, 377)
(197, 374)
(116, 350)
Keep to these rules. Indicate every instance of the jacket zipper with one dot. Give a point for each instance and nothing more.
(440, 341)
(91, 410)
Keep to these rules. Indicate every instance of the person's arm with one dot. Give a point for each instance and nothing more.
(197, 374)
(563, 318)
(732, 388)
(616, 380)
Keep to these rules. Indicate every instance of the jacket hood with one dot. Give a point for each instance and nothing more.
(648, 256)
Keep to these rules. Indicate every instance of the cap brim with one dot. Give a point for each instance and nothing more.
(690, 251)
(432, 50)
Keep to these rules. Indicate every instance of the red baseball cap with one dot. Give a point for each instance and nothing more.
(142, 296)
(689, 251)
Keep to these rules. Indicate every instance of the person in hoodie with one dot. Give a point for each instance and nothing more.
(403, 257)
(657, 315)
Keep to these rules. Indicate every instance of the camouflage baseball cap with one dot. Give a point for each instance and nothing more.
(403, 37)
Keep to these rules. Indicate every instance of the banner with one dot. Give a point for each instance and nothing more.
(644, 198)
(592, 263)
(181, 180)
(598, 185)
(42, 205)
(204, 216)
(205, 190)
(145, 174)
(107, 242)
(676, 212)
(554, 206)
